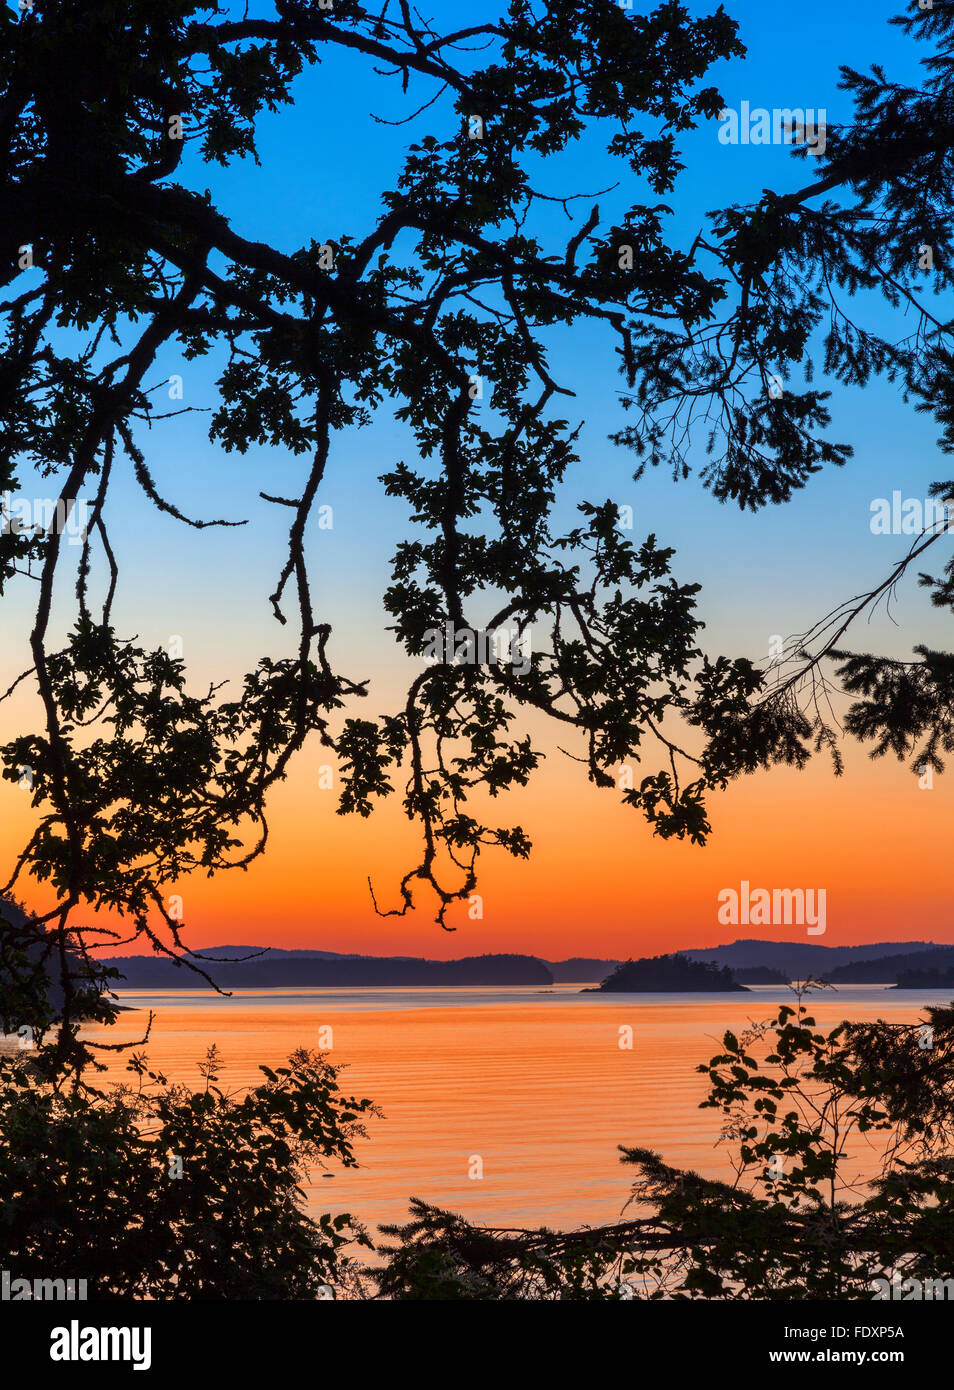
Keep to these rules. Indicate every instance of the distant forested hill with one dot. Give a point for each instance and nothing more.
(926, 979)
(579, 969)
(749, 962)
(798, 960)
(885, 970)
(290, 969)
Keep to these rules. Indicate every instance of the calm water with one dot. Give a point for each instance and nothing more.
(534, 1082)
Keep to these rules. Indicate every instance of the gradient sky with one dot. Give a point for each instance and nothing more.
(598, 883)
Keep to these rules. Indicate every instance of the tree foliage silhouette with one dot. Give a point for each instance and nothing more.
(148, 1189)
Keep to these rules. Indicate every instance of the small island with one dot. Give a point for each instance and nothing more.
(674, 973)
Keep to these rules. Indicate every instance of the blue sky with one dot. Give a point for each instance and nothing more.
(323, 167)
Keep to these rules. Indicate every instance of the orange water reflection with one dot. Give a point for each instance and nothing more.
(542, 1092)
